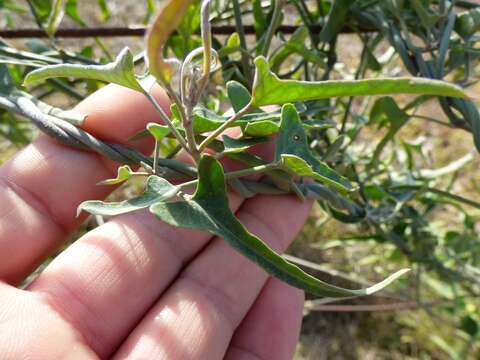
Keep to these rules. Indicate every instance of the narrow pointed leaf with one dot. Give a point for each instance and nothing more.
(238, 94)
(71, 9)
(336, 19)
(169, 17)
(158, 189)
(55, 17)
(208, 210)
(297, 39)
(120, 72)
(293, 151)
(268, 89)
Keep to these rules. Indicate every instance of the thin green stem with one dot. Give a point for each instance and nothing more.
(104, 48)
(156, 155)
(277, 16)
(188, 125)
(243, 42)
(238, 174)
(141, 173)
(253, 170)
(167, 121)
(427, 118)
(439, 192)
(38, 21)
(206, 38)
(224, 126)
(358, 73)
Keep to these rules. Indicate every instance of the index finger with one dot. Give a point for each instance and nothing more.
(42, 185)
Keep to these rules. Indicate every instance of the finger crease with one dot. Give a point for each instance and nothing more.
(245, 354)
(64, 294)
(216, 297)
(36, 203)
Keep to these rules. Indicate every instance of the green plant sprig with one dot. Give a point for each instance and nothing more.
(198, 131)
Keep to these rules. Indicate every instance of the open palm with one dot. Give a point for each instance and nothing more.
(134, 287)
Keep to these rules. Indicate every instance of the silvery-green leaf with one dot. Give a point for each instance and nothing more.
(268, 89)
(158, 189)
(209, 210)
(120, 72)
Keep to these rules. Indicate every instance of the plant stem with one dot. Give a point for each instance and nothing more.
(224, 126)
(188, 125)
(206, 39)
(167, 121)
(156, 155)
(240, 173)
(243, 43)
(253, 170)
(277, 15)
(439, 192)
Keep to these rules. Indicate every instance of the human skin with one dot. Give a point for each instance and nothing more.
(133, 288)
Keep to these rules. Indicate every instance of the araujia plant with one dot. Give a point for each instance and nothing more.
(198, 131)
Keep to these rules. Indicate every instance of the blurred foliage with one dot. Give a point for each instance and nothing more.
(418, 199)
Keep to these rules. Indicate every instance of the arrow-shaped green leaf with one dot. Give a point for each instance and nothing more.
(293, 152)
(120, 72)
(208, 210)
(123, 174)
(268, 89)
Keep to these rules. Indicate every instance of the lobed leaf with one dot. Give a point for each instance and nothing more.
(158, 189)
(120, 72)
(208, 210)
(159, 132)
(268, 89)
(293, 151)
(123, 174)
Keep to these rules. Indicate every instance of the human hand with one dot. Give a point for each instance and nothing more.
(134, 287)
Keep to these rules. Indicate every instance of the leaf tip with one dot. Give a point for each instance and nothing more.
(80, 208)
(30, 78)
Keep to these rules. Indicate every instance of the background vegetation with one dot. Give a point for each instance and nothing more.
(414, 158)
